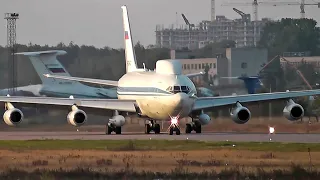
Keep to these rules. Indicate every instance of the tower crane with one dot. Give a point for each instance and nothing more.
(245, 18)
(255, 4)
(190, 26)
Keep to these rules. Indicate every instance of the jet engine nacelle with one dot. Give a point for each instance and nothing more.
(13, 117)
(240, 114)
(117, 120)
(204, 119)
(77, 117)
(293, 111)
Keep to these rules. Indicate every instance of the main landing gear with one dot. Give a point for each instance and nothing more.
(112, 128)
(194, 125)
(152, 126)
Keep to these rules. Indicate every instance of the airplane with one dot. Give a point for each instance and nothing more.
(164, 94)
(251, 82)
(46, 62)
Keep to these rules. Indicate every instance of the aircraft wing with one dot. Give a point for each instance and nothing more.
(209, 102)
(87, 80)
(103, 104)
(194, 74)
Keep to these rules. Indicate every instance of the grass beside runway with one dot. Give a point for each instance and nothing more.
(149, 145)
(154, 159)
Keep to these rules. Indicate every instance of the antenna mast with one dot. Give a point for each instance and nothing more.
(11, 45)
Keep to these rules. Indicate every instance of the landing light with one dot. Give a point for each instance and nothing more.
(271, 130)
(174, 120)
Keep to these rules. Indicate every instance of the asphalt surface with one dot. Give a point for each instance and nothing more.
(250, 137)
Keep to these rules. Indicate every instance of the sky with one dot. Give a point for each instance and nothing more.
(99, 22)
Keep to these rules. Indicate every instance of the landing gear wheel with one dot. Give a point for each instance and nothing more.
(157, 128)
(174, 128)
(197, 127)
(177, 131)
(109, 129)
(118, 130)
(188, 128)
(171, 131)
(147, 128)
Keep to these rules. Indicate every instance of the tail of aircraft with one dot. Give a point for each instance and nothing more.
(252, 82)
(131, 63)
(45, 62)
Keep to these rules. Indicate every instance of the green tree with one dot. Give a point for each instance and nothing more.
(290, 35)
(206, 74)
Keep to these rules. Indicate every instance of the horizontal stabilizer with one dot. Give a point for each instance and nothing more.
(87, 80)
(37, 53)
(194, 74)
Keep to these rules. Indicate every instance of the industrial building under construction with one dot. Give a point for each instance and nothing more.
(244, 31)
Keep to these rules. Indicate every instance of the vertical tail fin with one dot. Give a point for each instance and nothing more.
(251, 83)
(131, 63)
(45, 62)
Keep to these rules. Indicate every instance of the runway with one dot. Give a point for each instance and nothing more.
(244, 137)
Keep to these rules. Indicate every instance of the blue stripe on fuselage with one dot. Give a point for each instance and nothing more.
(136, 90)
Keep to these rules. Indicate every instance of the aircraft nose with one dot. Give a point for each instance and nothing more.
(180, 98)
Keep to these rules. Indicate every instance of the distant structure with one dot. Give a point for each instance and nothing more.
(244, 31)
(241, 62)
(297, 58)
(239, 30)
(11, 45)
(192, 65)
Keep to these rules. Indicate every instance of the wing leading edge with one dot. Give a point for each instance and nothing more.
(103, 104)
(87, 80)
(209, 102)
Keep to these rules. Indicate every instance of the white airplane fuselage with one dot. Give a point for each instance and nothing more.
(150, 90)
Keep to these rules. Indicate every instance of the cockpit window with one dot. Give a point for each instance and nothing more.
(177, 89)
(185, 89)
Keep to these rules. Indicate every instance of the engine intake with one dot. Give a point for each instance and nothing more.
(240, 114)
(293, 111)
(77, 117)
(13, 117)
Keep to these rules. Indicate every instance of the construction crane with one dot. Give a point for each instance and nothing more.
(288, 62)
(298, 72)
(246, 18)
(190, 27)
(255, 4)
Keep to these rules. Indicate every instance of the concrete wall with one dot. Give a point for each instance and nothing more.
(190, 66)
(245, 61)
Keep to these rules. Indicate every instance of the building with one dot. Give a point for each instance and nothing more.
(239, 30)
(297, 58)
(190, 66)
(196, 65)
(241, 62)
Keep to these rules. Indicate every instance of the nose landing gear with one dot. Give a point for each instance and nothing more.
(174, 127)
